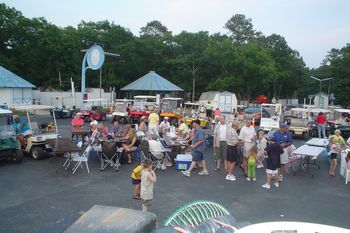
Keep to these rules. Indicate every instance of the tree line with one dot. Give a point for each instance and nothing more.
(243, 61)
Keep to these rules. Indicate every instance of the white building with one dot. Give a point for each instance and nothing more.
(14, 89)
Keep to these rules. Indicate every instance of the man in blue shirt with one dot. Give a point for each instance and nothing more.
(198, 148)
(284, 139)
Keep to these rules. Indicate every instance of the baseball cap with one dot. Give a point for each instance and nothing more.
(270, 136)
(283, 125)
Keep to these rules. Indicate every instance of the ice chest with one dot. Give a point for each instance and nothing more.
(183, 161)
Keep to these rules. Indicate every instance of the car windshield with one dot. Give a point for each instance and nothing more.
(170, 105)
(121, 107)
(7, 131)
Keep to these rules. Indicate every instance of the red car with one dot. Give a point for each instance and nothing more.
(95, 111)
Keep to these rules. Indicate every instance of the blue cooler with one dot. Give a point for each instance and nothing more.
(183, 162)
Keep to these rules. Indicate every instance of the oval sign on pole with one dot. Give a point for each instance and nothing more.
(95, 57)
(273, 100)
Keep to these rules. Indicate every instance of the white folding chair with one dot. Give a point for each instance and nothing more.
(69, 156)
(83, 158)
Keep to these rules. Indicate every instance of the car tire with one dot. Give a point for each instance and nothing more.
(37, 153)
(17, 156)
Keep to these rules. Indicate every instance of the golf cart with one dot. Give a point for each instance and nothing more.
(342, 121)
(94, 110)
(61, 111)
(9, 146)
(270, 117)
(120, 110)
(36, 144)
(192, 111)
(143, 106)
(171, 107)
(299, 123)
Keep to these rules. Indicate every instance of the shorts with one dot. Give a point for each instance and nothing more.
(271, 172)
(147, 203)
(246, 147)
(232, 154)
(221, 151)
(284, 156)
(135, 182)
(197, 156)
(334, 155)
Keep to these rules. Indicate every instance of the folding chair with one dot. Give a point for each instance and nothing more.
(157, 155)
(290, 164)
(346, 174)
(69, 156)
(83, 158)
(110, 155)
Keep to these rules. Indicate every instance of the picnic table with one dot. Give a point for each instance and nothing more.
(82, 132)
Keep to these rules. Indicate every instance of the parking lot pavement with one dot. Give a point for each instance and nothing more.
(35, 194)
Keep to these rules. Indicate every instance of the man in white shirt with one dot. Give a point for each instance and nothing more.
(220, 143)
(248, 136)
(164, 124)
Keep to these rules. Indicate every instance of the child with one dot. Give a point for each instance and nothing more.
(334, 153)
(252, 155)
(262, 144)
(273, 151)
(148, 178)
(136, 181)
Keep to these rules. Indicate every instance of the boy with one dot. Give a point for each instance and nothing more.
(273, 151)
(136, 181)
(148, 178)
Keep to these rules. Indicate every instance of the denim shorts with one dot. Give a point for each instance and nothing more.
(197, 156)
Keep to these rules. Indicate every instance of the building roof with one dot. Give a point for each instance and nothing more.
(151, 82)
(9, 79)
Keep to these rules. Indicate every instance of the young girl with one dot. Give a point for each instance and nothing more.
(148, 178)
(136, 181)
(262, 144)
(252, 155)
(334, 153)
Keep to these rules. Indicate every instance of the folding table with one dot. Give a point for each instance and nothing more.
(311, 153)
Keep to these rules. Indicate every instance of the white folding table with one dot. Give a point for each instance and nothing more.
(311, 153)
(322, 142)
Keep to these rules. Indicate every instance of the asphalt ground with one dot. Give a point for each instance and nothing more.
(38, 194)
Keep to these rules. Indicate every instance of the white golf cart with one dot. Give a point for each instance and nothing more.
(270, 116)
(341, 121)
(299, 122)
(120, 113)
(37, 146)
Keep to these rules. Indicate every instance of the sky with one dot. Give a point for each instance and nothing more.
(312, 27)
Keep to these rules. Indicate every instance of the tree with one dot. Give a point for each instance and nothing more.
(154, 29)
(240, 28)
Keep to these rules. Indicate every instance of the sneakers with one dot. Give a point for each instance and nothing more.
(260, 166)
(162, 167)
(280, 179)
(248, 178)
(276, 184)
(186, 173)
(203, 173)
(230, 177)
(266, 186)
(254, 178)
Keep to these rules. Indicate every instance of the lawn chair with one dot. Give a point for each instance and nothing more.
(154, 151)
(110, 155)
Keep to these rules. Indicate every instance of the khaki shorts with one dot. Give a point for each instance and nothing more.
(221, 152)
(246, 147)
(284, 156)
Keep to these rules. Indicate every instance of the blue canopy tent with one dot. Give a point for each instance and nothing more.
(151, 83)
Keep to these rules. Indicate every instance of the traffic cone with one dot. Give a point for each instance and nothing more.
(253, 122)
